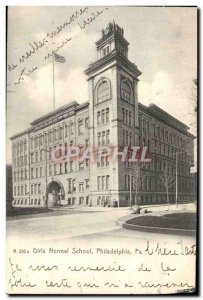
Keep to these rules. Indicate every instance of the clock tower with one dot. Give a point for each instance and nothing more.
(113, 114)
(112, 41)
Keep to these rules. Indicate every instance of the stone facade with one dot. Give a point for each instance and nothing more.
(113, 117)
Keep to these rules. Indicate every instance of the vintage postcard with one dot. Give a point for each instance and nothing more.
(101, 150)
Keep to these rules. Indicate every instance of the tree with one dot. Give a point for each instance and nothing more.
(137, 179)
(168, 179)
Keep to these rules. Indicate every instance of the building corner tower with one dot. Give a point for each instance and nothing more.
(113, 114)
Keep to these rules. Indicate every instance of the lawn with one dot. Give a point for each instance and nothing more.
(185, 221)
(39, 212)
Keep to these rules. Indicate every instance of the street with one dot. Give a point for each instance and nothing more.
(96, 224)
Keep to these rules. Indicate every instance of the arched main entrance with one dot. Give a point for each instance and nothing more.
(55, 193)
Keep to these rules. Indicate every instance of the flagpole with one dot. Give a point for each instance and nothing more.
(53, 84)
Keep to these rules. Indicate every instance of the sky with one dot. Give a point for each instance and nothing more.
(163, 44)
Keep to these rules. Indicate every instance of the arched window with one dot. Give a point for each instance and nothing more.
(126, 91)
(103, 91)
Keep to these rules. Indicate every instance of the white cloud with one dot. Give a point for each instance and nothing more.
(158, 89)
(68, 87)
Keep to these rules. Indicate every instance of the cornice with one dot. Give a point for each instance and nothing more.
(113, 57)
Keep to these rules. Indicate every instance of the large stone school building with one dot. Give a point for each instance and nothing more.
(111, 116)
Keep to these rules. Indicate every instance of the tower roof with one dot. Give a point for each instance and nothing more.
(112, 29)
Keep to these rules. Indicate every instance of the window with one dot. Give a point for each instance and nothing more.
(107, 115)
(87, 200)
(80, 151)
(126, 116)
(80, 124)
(103, 91)
(98, 183)
(98, 163)
(98, 118)
(123, 112)
(66, 169)
(127, 137)
(71, 128)
(35, 189)
(103, 116)
(87, 184)
(50, 136)
(55, 134)
(81, 166)
(86, 122)
(36, 141)
(66, 130)
(39, 188)
(107, 182)
(71, 166)
(130, 138)
(32, 158)
(98, 200)
(40, 171)
(125, 91)
(32, 189)
(102, 161)
(41, 155)
(103, 137)
(87, 161)
(81, 187)
(99, 138)
(87, 142)
(130, 118)
(74, 187)
(81, 200)
(107, 137)
(103, 183)
(69, 186)
(60, 132)
(45, 137)
(60, 168)
(40, 139)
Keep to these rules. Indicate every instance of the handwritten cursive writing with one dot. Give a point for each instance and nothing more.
(35, 46)
(20, 283)
(50, 54)
(14, 268)
(43, 268)
(90, 19)
(24, 73)
(160, 249)
(167, 268)
(147, 284)
(101, 268)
